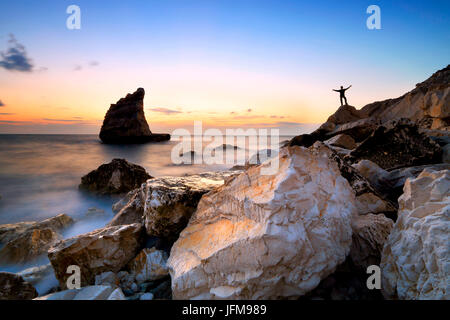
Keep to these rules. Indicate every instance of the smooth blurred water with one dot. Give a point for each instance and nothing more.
(40, 174)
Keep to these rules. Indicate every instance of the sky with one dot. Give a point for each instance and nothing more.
(270, 64)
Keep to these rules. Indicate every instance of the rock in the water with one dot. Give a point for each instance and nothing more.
(398, 144)
(369, 235)
(129, 209)
(28, 246)
(87, 293)
(13, 287)
(165, 204)
(118, 176)
(125, 122)
(107, 249)
(149, 265)
(12, 231)
(342, 140)
(34, 275)
(266, 236)
(415, 260)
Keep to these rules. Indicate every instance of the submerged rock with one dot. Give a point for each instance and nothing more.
(266, 236)
(106, 249)
(125, 122)
(118, 176)
(13, 287)
(415, 260)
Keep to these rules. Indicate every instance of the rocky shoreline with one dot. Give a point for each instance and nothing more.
(369, 187)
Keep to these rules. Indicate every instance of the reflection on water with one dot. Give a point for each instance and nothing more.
(40, 174)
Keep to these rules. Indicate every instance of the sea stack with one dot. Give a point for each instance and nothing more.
(125, 122)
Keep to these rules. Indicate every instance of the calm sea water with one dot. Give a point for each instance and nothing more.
(40, 174)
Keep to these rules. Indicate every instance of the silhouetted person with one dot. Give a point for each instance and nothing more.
(342, 94)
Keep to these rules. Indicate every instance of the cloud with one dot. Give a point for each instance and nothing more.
(77, 67)
(61, 120)
(1, 104)
(6, 114)
(164, 110)
(277, 117)
(94, 63)
(15, 58)
(249, 110)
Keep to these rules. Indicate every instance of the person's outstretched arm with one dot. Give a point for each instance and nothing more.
(335, 90)
(348, 87)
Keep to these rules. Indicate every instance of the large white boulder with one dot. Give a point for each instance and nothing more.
(416, 257)
(267, 236)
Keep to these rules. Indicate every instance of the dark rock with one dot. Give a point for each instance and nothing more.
(398, 144)
(125, 122)
(13, 287)
(118, 176)
(106, 249)
(26, 241)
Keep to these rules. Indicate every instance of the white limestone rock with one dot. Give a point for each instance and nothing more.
(267, 236)
(416, 257)
(149, 265)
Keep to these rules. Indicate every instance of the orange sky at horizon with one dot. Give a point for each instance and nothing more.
(219, 96)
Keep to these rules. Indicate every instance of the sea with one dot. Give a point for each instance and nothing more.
(40, 175)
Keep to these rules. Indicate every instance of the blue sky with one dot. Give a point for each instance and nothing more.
(265, 55)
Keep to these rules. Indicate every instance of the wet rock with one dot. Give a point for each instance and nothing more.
(34, 275)
(13, 287)
(9, 232)
(266, 236)
(149, 265)
(398, 144)
(86, 293)
(415, 259)
(28, 246)
(342, 140)
(130, 209)
(95, 213)
(125, 122)
(118, 176)
(106, 249)
(369, 235)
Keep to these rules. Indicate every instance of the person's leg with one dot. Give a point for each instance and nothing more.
(345, 99)
(341, 101)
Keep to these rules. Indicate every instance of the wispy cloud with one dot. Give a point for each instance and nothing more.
(94, 63)
(1, 104)
(77, 67)
(249, 110)
(164, 110)
(15, 58)
(62, 120)
(277, 117)
(6, 114)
